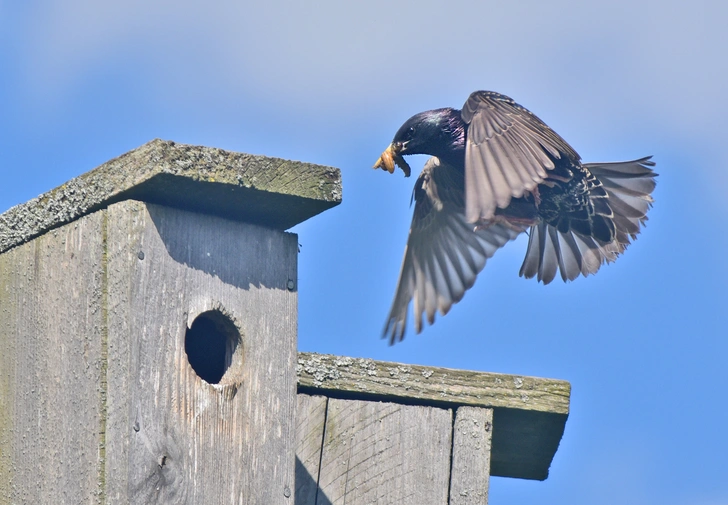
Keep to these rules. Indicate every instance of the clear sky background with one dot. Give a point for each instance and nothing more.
(644, 343)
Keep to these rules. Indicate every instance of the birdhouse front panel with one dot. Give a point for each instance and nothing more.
(201, 349)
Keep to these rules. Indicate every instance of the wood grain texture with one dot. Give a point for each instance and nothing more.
(310, 419)
(529, 413)
(51, 330)
(385, 453)
(470, 473)
(171, 437)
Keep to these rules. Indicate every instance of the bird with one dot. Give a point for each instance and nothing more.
(498, 171)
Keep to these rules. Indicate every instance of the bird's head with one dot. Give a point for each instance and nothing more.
(430, 132)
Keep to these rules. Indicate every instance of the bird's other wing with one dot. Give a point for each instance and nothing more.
(444, 252)
(508, 151)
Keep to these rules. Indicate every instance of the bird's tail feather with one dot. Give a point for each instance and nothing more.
(629, 186)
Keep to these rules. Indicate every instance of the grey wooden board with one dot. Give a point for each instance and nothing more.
(51, 333)
(470, 474)
(324, 372)
(267, 191)
(171, 437)
(385, 453)
(529, 412)
(310, 418)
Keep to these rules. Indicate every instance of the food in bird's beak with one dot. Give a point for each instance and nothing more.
(388, 159)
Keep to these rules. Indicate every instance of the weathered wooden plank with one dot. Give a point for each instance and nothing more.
(266, 191)
(417, 383)
(385, 453)
(470, 473)
(173, 438)
(310, 419)
(51, 374)
(529, 413)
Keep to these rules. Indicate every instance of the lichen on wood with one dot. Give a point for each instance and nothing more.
(425, 384)
(268, 191)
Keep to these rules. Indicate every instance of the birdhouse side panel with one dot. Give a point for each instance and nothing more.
(52, 388)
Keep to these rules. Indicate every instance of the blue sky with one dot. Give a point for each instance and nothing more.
(644, 342)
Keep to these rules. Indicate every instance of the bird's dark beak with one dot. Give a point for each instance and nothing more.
(390, 157)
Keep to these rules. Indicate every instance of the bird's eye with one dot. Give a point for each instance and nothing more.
(412, 130)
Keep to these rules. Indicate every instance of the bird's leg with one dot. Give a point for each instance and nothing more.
(560, 178)
(536, 196)
(518, 224)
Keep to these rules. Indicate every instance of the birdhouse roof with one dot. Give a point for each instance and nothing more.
(271, 192)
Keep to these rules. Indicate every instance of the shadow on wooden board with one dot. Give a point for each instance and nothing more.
(306, 488)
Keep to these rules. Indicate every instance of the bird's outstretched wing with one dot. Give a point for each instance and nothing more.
(508, 151)
(444, 253)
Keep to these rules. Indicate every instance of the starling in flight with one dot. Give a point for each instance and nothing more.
(498, 171)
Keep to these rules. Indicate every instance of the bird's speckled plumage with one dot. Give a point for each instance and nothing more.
(499, 171)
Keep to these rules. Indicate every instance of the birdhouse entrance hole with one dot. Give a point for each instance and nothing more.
(210, 344)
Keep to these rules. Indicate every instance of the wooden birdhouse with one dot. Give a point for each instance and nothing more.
(148, 315)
